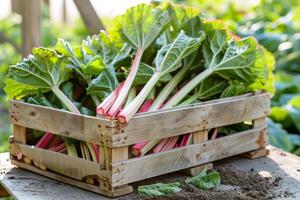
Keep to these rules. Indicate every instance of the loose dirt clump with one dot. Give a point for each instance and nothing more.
(235, 185)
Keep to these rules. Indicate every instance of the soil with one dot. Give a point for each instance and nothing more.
(235, 185)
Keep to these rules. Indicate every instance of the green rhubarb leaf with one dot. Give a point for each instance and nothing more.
(205, 181)
(140, 25)
(169, 57)
(145, 72)
(43, 69)
(159, 189)
(104, 84)
(211, 87)
(110, 52)
(235, 88)
(17, 90)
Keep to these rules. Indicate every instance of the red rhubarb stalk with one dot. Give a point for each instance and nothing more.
(103, 108)
(171, 142)
(45, 140)
(160, 145)
(135, 150)
(96, 150)
(58, 147)
(115, 108)
(145, 107)
(185, 140)
(55, 142)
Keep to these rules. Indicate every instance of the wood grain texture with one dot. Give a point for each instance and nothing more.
(256, 153)
(68, 192)
(31, 25)
(196, 170)
(198, 137)
(59, 122)
(89, 16)
(207, 115)
(71, 166)
(156, 164)
(19, 134)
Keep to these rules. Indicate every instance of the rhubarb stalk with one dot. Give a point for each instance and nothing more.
(127, 84)
(103, 108)
(45, 140)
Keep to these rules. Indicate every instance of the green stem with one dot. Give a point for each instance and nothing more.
(163, 95)
(95, 100)
(189, 100)
(177, 98)
(64, 99)
(131, 96)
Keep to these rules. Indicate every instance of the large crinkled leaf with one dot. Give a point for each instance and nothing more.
(170, 56)
(210, 87)
(159, 189)
(140, 25)
(145, 72)
(104, 84)
(185, 18)
(110, 52)
(205, 180)
(43, 69)
(234, 88)
(84, 63)
(17, 90)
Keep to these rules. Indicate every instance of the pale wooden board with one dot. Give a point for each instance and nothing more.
(142, 127)
(60, 122)
(181, 158)
(25, 185)
(72, 166)
(200, 116)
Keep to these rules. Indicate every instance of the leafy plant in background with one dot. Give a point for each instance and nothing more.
(277, 29)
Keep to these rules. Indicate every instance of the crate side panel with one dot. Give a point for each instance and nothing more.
(194, 118)
(57, 121)
(157, 164)
(71, 166)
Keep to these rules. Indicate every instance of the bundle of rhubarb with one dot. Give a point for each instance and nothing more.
(150, 58)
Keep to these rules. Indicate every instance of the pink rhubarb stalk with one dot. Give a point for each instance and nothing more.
(104, 107)
(96, 150)
(45, 140)
(158, 148)
(115, 108)
(185, 140)
(145, 107)
(58, 147)
(171, 142)
(135, 149)
(55, 142)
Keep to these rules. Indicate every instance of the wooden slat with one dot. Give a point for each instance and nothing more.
(71, 166)
(31, 25)
(89, 16)
(196, 170)
(16, 6)
(201, 116)
(59, 122)
(94, 188)
(19, 134)
(157, 164)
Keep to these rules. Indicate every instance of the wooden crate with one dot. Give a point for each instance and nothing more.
(112, 175)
